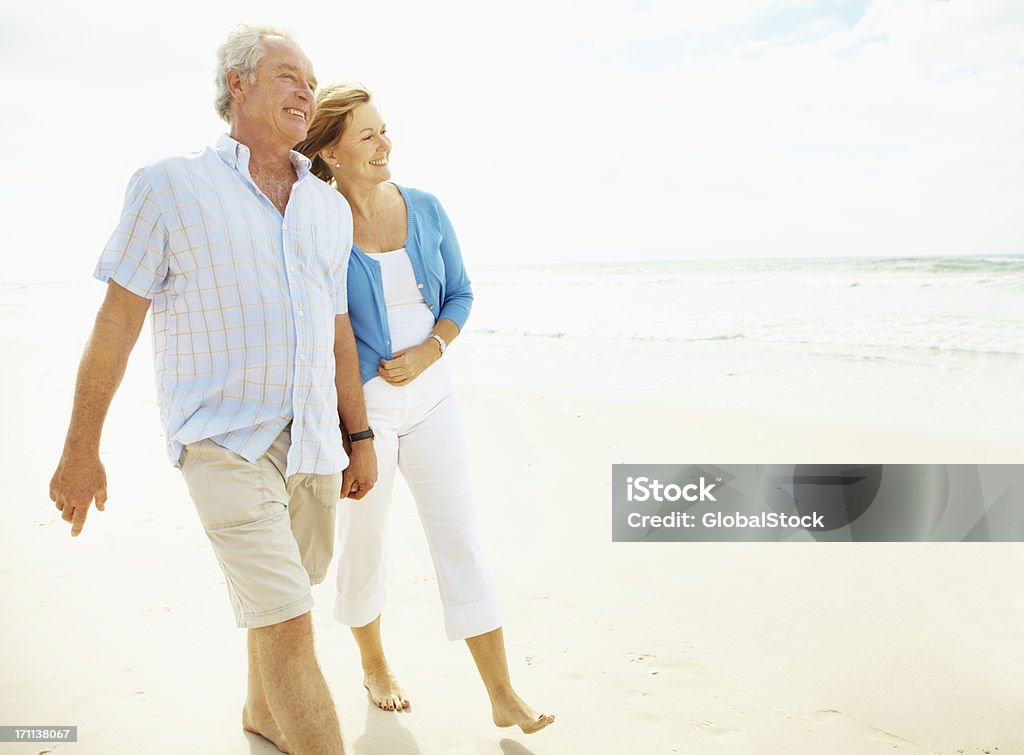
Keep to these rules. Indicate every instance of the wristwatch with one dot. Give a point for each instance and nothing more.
(366, 434)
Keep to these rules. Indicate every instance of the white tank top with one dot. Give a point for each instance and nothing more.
(409, 319)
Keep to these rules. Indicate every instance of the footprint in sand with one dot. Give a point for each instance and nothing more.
(723, 735)
(667, 667)
(639, 657)
(637, 693)
(831, 715)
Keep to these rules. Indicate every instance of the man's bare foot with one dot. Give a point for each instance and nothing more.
(383, 688)
(510, 710)
(262, 722)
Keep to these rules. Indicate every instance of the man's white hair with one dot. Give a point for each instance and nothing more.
(242, 52)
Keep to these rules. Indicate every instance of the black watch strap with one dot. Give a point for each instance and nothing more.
(366, 434)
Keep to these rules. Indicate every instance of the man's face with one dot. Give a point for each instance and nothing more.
(280, 104)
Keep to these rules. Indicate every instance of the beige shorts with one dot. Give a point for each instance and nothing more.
(273, 537)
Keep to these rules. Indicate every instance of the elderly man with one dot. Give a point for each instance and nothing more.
(242, 254)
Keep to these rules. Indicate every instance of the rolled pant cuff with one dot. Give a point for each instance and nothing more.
(357, 613)
(472, 619)
(277, 616)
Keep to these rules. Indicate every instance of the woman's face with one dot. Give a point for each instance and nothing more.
(362, 151)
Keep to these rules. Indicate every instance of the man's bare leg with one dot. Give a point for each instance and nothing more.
(256, 715)
(377, 676)
(507, 708)
(294, 690)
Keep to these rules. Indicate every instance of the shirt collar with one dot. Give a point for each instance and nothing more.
(236, 155)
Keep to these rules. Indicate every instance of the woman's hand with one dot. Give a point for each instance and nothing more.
(409, 363)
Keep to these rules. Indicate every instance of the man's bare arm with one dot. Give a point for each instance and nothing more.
(80, 476)
(361, 473)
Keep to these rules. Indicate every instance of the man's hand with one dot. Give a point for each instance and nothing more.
(80, 477)
(409, 363)
(79, 480)
(361, 473)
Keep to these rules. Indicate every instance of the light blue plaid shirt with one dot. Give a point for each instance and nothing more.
(243, 302)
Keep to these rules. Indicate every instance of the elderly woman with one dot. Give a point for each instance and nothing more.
(408, 298)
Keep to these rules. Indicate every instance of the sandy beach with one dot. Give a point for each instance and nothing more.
(710, 234)
(127, 633)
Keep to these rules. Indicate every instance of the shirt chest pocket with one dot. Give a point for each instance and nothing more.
(319, 252)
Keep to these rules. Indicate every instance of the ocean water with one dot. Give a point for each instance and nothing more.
(925, 344)
(904, 309)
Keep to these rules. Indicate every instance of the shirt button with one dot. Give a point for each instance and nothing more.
(419, 285)
(284, 226)
(300, 313)
(302, 357)
(291, 268)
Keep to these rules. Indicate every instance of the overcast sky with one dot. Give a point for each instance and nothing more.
(557, 131)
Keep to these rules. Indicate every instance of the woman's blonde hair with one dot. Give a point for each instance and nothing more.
(334, 106)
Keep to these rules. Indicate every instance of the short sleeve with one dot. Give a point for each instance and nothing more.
(135, 257)
(341, 286)
(343, 254)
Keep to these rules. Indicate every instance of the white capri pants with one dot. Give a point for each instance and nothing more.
(417, 430)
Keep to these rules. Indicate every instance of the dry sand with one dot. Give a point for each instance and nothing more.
(638, 648)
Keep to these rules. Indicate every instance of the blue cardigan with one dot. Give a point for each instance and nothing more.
(437, 265)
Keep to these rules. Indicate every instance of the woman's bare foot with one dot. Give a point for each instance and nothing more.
(262, 722)
(510, 710)
(383, 688)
